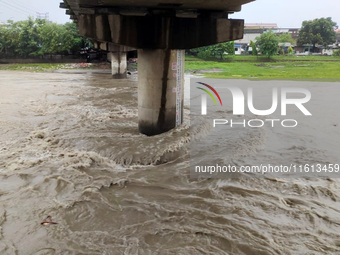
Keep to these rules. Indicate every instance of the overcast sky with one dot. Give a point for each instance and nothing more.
(286, 13)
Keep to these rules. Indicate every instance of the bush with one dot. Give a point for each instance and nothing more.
(281, 51)
(336, 53)
(290, 51)
(204, 53)
(215, 51)
(253, 46)
(36, 37)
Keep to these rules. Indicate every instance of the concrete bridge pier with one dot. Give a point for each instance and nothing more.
(118, 64)
(161, 31)
(160, 90)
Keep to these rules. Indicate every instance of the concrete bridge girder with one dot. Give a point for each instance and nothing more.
(111, 47)
(159, 32)
(211, 5)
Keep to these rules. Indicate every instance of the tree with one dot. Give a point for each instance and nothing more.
(52, 38)
(10, 37)
(71, 38)
(2, 43)
(317, 31)
(286, 38)
(230, 48)
(28, 43)
(268, 43)
(217, 50)
(254, 49)
(203, 52)
(37, 37)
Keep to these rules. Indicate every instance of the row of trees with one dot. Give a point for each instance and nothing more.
(317, 32)
(222, 50)
(314, 32)
(36, 37)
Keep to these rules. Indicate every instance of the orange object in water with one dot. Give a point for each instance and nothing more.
(48, 221)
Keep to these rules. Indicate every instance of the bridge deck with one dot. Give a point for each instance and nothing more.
(218, 5)
(175, 4)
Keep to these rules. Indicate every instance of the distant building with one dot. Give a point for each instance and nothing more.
(253, 30)
(305, 49)
(293, 31)
(328, 52)
(239, 50)
(337, 35)
(250, 35)
(285, 46)
(260, 25)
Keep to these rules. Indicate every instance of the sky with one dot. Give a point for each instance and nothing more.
(286, 13)
(21, 9)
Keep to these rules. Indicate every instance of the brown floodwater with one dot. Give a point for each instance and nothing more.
(70, 149)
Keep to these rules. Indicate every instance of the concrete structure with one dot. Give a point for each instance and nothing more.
(239, 50)
(160, 90)
(260, 25)
(328, 52)
(249, 35)
(337, 36)
(117, 57)
(160, 30)
(118, 64)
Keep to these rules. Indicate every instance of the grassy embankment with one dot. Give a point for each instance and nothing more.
(278, 67)
(245, 67)
(43, 67)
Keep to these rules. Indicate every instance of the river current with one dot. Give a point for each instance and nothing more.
(70, 149)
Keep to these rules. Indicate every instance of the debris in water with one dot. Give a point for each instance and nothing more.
(48, 221)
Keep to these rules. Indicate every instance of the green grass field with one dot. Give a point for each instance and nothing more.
(30, 67)
(280, 67)
(44, 67)
(280, 58)
(237, 67)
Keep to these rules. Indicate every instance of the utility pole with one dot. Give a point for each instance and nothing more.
(2, 22)
(41, 15)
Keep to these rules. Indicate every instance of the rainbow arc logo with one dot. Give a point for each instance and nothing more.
(204, 98)
(212, 89)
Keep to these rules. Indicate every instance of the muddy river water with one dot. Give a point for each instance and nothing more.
(69, 148)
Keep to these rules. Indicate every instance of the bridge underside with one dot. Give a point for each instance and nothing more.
(78, 6)
(160, 30)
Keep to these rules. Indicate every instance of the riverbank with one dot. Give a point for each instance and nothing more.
(51, 67)
(237, 67)
(279, 67)
(277, 58)
(98, 67)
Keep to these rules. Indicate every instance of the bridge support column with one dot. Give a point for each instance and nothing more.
(160, 90)
(118, 64)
